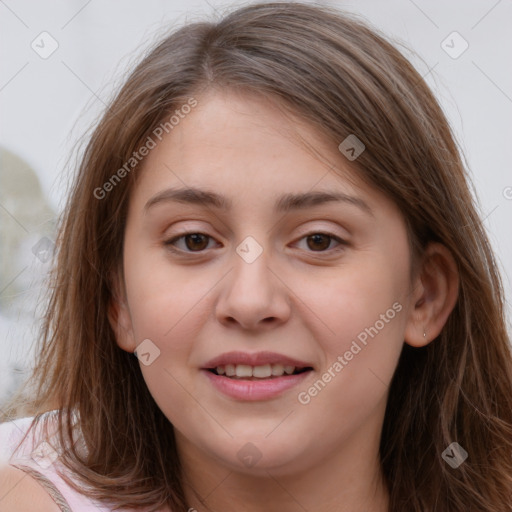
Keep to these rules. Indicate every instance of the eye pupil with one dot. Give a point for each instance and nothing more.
(196, 237)
(318, 238)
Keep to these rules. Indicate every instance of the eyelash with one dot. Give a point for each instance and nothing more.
(169, 243)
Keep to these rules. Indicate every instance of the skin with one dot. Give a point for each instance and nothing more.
(19, 492)
(305, 299)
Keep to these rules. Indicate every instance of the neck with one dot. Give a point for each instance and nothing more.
(234, 492)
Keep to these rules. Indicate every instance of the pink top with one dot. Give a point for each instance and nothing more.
(38, 458)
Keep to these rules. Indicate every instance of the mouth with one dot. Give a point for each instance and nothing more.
(255, 376)
(257, 373)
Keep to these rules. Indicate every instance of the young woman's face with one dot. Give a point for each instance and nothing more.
(258, 283)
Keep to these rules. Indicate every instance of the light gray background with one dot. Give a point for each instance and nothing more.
(46, 105)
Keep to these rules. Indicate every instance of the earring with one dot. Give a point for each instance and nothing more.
(424, 334)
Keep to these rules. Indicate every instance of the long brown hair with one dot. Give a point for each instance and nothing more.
(343, 77)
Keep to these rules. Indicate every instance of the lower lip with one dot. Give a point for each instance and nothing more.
(252, 390)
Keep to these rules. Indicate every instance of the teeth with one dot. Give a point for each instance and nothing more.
(260, 372)
(243, 370)
(277, 369)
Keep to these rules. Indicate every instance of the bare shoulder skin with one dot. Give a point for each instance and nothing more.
(19, 492)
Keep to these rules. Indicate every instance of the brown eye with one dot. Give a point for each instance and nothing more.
(194, 242)
(319, 241)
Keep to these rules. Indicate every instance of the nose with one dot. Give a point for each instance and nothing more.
(253, 295)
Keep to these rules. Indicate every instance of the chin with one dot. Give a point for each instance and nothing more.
(259, 457)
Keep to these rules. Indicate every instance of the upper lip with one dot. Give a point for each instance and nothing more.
(254, 359)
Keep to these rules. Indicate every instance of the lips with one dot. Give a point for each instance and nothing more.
(254, 360)
(258, 376)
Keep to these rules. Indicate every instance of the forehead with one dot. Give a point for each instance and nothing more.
(247, 149)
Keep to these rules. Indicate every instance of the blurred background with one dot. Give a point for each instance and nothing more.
(62, 60)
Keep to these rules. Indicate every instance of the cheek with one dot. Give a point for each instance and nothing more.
(170, 315)
(165, 305)
(360, 319)
(162, 296)
(352, 298)
(168, 321)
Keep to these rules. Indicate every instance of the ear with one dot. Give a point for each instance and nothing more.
(435, 293)
(119, 314)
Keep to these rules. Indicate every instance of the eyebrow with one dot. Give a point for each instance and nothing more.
(285, 203)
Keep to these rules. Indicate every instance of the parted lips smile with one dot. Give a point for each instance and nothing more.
(255, 376)
(260, 365)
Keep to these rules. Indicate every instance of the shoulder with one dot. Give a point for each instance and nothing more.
(19, 492)
(31, 469)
